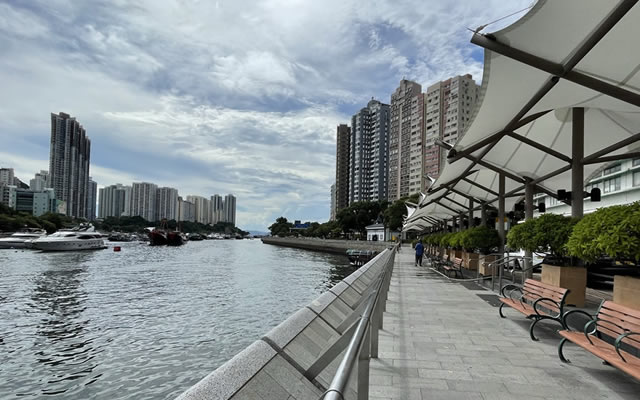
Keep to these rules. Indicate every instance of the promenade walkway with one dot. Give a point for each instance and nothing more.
(442, 341)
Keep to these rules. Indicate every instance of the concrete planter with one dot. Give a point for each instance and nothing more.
(441, 252)
(458, 253)
(626, 291)
(471, 260)
(572, 278)
(483, 265)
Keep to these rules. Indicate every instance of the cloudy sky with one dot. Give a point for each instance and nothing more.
(222, 97)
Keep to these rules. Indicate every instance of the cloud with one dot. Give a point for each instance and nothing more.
(220, 97)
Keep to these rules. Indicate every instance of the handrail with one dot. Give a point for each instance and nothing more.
(365, 335)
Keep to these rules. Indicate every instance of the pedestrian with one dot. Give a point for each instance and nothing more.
(399, 244)
(419, 253)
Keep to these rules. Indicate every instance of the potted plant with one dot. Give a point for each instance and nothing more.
(614, 232)
(549, 233)
(479, 242)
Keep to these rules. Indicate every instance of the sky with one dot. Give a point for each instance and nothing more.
(217, 97)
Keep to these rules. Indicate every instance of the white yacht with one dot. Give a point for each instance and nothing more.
(21, 240)
(80, 238)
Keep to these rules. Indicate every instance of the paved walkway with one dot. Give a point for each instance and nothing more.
(442, 341)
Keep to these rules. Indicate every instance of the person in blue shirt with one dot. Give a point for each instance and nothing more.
(419, 253)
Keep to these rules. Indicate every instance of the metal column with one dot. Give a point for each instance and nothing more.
(577, 169)
(483, 213)
(470, 213)
(528, 214)
(501, 213)
(461, 218)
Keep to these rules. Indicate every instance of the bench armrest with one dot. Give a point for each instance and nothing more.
(565, 315)
(618, 342)
(595, 323)
(511, 287)
(548, 300)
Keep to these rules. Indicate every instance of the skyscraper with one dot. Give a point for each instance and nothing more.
(186, 210)
(332, 212)
(201, 208)
(343, 137)
(69, 158)
(405, 140)
(229, 208)
(166, 203)
(113, 200)
(368, 153)
(143, 200)
(448, 108)
(216, 209)
(91, 200)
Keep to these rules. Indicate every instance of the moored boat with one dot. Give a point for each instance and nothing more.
(21, 240)
(83, 237)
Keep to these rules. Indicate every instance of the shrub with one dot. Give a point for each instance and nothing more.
(612, 231)
(481, 238)
(549, 232)
(444, 240)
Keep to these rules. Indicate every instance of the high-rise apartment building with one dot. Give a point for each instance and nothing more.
(7, 177)
(40, 181)
(113, 201)
(332, 212)
(201, 208)
(343, 137)
(368, 159)
(92, 198)
(447, 113)
(405, 140)
(186, 210)
(143, 200)
(69, 158)
(229, 208)
(166, 204)
(216, 209)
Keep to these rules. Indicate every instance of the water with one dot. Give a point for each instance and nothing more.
(146, 322)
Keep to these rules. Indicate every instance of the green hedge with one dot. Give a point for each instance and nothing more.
(548, 232)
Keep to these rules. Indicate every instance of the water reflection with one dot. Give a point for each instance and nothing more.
(62, 341)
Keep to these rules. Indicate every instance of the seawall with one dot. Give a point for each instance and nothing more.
(327, 245)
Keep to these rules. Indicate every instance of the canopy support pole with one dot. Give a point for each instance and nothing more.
(453, 224)
(483, 213)
(501, 198)
(471, 213)
(461, 217)
(577, 168)
(528, 214)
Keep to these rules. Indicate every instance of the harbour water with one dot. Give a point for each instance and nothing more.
(146, 322)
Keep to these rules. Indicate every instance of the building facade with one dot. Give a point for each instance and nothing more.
(92, 198)
(405, 140)
(343, 138)
(6, 176)
(369, 152)
(69, 159)
(448, 106)
(186, 210)
(201, 208)
(166, 204)
(217, 209)
(332, 209)
(229, 207)
(113, 201)
(143, 200)
(619, 183)
(40, 181)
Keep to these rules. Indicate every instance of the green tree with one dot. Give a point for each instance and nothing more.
(394, 214)
(280, 227)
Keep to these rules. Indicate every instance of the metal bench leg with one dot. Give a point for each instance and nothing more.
(500, 310)
(533, 324)
(564, 360)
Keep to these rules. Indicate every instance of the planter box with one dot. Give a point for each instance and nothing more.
(471, 261)
(483, 267)
(441, 252)
(626, 291)
(572, 278)
(458, 253)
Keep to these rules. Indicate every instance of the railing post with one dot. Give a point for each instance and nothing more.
(363, 367)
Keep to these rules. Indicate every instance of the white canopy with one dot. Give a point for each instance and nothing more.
(560, 55)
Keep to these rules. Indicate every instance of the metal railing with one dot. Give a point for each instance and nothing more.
(505, 261)
(363, 344)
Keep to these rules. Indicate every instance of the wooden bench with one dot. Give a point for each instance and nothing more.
(536, 300)
(620, 324)
(454, 265)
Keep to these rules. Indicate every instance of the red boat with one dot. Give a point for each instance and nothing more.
(158, 237)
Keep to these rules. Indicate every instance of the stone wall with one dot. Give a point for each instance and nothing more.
(275, 366)
(327, 245)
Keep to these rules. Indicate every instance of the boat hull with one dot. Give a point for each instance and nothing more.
(90, 244)
(18, 244)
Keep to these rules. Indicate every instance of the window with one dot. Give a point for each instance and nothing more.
(636, 178)
(611, 185)
(636, 162)
(612, 169)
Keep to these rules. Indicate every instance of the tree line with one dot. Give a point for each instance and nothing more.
(352, 220)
